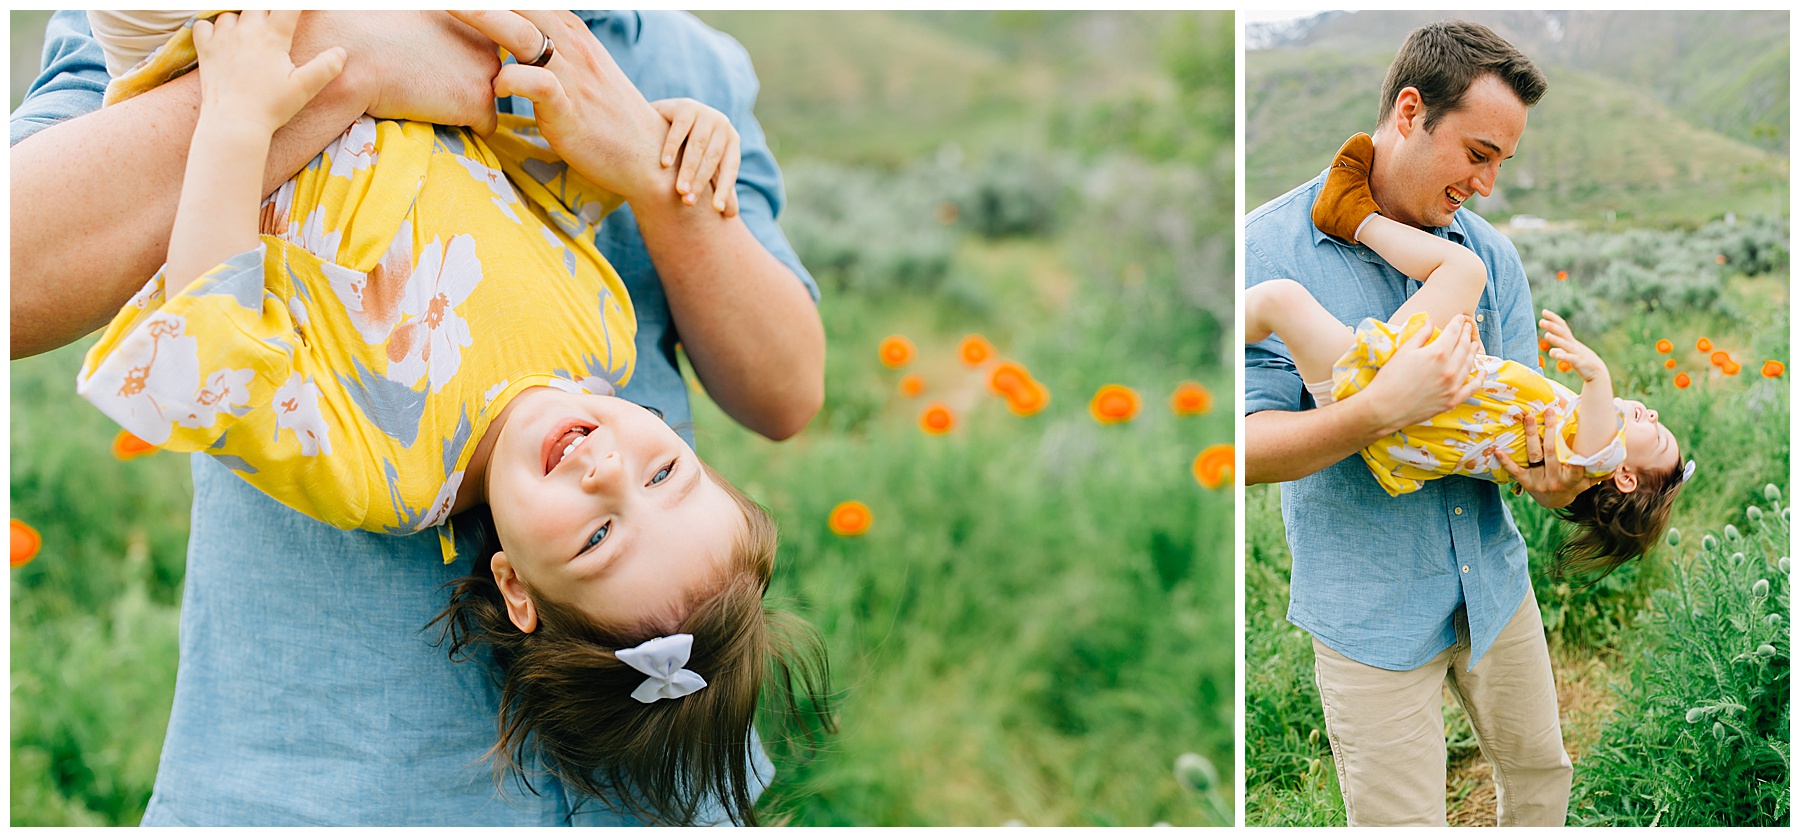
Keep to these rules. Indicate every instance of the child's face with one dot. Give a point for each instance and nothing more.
(1649, 446)
(622, 526)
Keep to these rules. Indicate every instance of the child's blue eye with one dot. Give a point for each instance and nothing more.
(599, 535)
(663, 474)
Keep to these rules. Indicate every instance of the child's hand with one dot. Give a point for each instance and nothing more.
(246, 71)
(711, 153)
(1564, 346)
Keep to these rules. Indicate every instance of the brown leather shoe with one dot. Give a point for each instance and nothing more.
(1346, 200)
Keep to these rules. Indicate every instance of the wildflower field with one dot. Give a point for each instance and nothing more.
(1013, 524)
(1672, 673)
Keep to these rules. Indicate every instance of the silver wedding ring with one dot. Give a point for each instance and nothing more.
(544, 53)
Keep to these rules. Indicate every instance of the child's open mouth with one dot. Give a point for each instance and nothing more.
(562, 441)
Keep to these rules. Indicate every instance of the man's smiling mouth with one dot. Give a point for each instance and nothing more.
(1456, 198)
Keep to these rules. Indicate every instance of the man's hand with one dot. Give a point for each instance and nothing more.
(424, 66)
(589, 112)
(1423, 379)
(1549, 482)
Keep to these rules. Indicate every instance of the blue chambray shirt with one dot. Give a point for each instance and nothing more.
(308, 690)
(1378, 578)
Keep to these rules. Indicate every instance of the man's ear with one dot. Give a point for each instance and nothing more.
(519, 607)
(1626, 478)
(1409, 111)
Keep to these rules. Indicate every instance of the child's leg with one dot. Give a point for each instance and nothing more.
(1314, 338)
(1453, 275)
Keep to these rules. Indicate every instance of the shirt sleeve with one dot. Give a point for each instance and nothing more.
(72, 81)
(1600, 463)
(1512, 296)
(1270, 380)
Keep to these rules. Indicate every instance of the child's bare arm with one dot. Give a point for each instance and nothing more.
(1453, 275)
(1597, 416)
(249, 88)
(710, 155)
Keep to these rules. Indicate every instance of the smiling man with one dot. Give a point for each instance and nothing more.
(1405, 594)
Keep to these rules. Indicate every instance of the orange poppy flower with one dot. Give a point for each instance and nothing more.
(1721, 259)
(1703, 344)
(1669, 364)
(1720, 358)
(1216, 466)
(127, 446)
(975, 350)
(1562, 276)
(1731, 368)
(1564, 366)
(1540, 361)
(911, 386)
(850, 518)
(1682, 381)
(1543, 345)
(896, 351)
(1773, 369)
(1113, 404)
(1664, 347)
(937, 420)
(25, 543)
(1028, 400)
(1008, 377)
(1190, 399)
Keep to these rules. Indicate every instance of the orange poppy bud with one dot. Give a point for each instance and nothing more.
(1028, 400)
(850, 518)
(1720, 358)
(1216, 466)
(1190, 399)
(127, 446)
(911, 386)
(975, 350)
(937, 420)
(1113, 404)
(1682, 381)
(1669, 364)
(1703, 344)
(1664, 347)
(1564, 366)
(896, 351)
(1731, 368)
(25, 543)
(1562, 276)
(1773, 369)
(1008, 377)
(1540, 361)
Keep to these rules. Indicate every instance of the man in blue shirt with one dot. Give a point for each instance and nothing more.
(1403, 594)
(308, 691)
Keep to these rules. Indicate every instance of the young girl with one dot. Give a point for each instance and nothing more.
(1618, 442)
(424, 326)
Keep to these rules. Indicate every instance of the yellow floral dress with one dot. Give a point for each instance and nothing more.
(1471, 439)
(409, 283)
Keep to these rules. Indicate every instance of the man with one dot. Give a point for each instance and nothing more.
(308, 691)
(1404, 593)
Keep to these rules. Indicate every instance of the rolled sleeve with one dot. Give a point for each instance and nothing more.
(72, 80)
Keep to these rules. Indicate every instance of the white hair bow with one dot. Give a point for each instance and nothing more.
(1687, 471)
(663, 658)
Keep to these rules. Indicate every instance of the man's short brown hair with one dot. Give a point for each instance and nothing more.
(1442, 59)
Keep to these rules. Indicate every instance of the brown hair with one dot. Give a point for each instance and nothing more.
(563, 691)
(1442, 59)
(1613, 526)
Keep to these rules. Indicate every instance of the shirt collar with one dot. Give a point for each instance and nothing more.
(628, 25)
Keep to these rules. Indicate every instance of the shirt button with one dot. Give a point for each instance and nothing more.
(1465, 568)
(1480, 318)
(1459, 509)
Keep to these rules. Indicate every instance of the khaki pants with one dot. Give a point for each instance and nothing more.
(1387, 728)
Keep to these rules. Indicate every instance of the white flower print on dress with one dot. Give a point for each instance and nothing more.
(430, 342)
(223, 390)
(274, 219)
(1415, 455)
(494, 391)
(440, 506)
(148, 381)
(297, 409)
(355, 150)
(1483, 454)
(504, 196)
(373, 299)
(312, 237)
(148, 293)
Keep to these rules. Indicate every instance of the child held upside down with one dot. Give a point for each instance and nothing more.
(1618, 442)
(420, 323)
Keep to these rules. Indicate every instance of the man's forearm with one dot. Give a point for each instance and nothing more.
(94, 198)
(1280, 446)
(748, 325)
